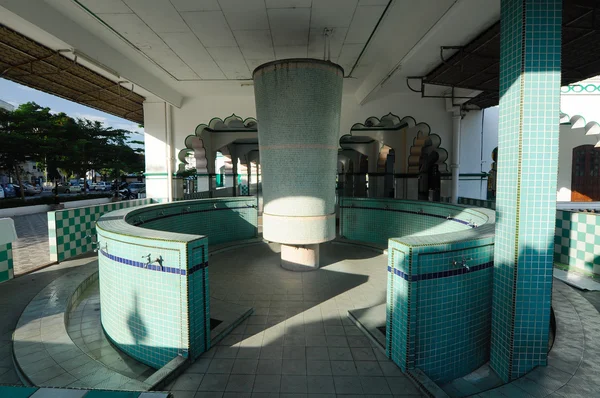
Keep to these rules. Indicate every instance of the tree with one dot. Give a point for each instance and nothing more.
(22, 134)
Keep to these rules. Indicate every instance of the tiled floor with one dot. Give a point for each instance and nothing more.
(31, 250)
(299, 340)
(85, 330)
(15, 295)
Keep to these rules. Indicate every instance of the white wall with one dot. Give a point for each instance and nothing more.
(479, 137)
(204, 107)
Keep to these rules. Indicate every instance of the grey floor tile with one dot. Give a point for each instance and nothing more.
(214, 382)
(318, 368)
(220, 365)
(269, 366)
(240, 383)
(267, 384)
(244, 366)
(347, 385)
(343, 368)
(293, 367)
(368, 368)
(188, 382)
(293, 384)
(321, 384)
(362, 354)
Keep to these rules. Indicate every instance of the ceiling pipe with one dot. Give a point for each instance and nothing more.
(433, 30)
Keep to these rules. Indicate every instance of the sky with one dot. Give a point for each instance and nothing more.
(16, 94)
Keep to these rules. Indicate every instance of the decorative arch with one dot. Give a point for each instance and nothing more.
(578, 121)
(424, 144)
(199, 143)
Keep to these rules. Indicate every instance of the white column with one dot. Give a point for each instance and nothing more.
(157, 148)
(454, 165)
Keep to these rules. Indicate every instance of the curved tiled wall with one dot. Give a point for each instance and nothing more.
(440, 276)
(153, 270)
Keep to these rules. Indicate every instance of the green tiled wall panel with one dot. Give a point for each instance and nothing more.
(577, 240)
(153, 315)
(232, 219)
(144, 312)
(6, 262)
(375, 221)
(68, 229)
(440, 325)
(530, 56)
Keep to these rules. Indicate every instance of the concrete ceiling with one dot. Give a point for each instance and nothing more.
(227, 39)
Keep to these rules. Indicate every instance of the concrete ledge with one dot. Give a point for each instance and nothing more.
(43, 351)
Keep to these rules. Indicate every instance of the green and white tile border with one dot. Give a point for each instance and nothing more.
(577, 240)
(6, 262)
(71, 232)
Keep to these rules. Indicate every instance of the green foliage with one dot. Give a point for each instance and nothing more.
(48, 200)
(60, 142)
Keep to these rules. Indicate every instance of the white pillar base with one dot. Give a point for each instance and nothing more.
(300, 258)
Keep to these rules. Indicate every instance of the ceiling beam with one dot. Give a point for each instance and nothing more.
(47, 18)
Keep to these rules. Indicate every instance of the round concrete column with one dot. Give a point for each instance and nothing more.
(298, 106)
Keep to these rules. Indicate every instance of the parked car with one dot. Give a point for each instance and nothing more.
(9, 191)
(102, 186)
(1, 192)
(67, 188)
(31, 190)
(135, 188)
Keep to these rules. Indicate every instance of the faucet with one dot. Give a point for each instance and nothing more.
(215, 205)
(421, 211)
(186, 210)
(98, 248)
(463, 263)
(449, 217)
(159, 260)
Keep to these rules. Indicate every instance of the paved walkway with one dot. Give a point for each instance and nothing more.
(299, 342)
(15, 295)
(31, 250)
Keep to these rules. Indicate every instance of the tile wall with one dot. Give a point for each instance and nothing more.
(154, 285)
(377, 220)
(6, 262)
(439, 315)
(577, 240)
(223, 220)
(71, 231)
(438, 309)
(530, 73)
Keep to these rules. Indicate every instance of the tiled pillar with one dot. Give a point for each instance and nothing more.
(527, 169)
(298, 103)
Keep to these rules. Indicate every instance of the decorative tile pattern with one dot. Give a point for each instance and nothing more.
(71, 231)
(527, 169)
(153, 265)
(6, 262)
(577, 240)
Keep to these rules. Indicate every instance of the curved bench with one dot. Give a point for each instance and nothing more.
(153, 266)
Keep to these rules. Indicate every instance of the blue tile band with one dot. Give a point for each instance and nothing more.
(437, 275)
(138, 223)
(153, 267)
(411, 212)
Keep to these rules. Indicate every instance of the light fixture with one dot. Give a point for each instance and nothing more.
(97, 64)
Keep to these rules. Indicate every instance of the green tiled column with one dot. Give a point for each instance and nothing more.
(527, 169)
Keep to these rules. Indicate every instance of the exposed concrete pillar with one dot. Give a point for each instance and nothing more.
(298, 104)
(530, 56)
